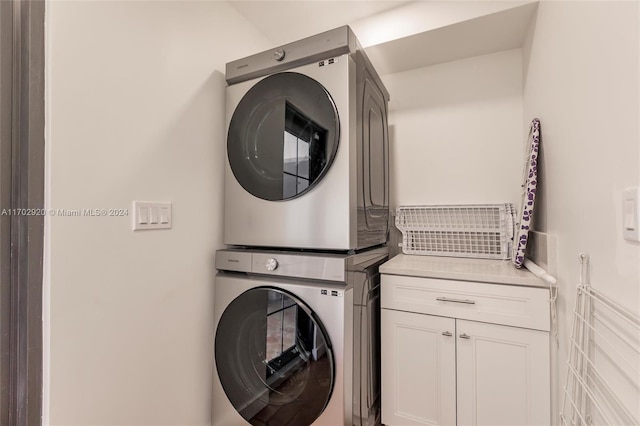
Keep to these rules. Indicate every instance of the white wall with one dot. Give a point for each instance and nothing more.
(457, 131)
(457, 134)
(135, 111)
(582, 81)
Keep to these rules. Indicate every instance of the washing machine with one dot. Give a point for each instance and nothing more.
(296, 338)
(307, 162)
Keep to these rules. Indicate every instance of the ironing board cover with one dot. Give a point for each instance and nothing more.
(530, 182)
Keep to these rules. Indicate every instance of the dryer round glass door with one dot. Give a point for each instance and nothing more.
(274, 358)
(283, 136)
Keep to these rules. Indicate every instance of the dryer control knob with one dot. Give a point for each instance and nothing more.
(278, 55)
(272, 264)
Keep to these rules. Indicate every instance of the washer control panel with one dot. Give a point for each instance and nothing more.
(299, 266)
(294, 265)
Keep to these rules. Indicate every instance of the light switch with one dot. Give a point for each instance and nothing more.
(164, 215)
(630, 209)
(151, 215)
(630, 215)
(143, 215)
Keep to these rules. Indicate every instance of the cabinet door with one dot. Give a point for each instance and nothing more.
(418, 369)
(503, 375)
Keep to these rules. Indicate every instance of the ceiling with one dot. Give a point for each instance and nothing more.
(399, 35)
(282, 22)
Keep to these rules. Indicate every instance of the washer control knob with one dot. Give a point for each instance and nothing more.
(278, 55)
(272, 264)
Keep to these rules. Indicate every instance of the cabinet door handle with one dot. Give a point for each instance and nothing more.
(447, 299)
(447, 333)
(465, 336)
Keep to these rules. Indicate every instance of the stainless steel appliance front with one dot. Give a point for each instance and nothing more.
(307, 148)
(296, 339)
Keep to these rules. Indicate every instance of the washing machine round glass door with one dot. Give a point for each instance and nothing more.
(274, 358)
(283, 136)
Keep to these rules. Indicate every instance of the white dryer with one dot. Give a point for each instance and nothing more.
(307, 162)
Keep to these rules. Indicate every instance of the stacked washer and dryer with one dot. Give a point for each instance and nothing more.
(296, 297)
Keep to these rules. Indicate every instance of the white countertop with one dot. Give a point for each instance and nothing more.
(458, 268)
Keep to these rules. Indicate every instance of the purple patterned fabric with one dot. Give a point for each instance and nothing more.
(529, 196)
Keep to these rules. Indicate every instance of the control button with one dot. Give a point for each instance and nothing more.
(278, 55)
(272, 264)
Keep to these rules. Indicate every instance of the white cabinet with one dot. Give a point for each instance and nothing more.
(465, 353)
(418, 369)
(502, 375)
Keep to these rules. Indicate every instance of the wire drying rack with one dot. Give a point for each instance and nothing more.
(478, 230)
(602, 386)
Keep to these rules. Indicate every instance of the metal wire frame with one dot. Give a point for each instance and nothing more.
(588, 394)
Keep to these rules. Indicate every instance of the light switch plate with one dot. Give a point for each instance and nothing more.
(630, 214)
(151, 215)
